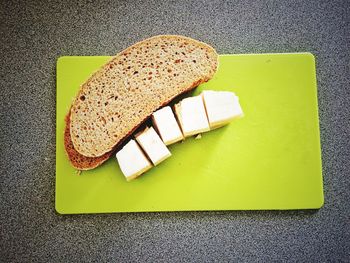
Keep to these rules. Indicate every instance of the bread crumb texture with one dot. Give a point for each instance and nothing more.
(136, 82)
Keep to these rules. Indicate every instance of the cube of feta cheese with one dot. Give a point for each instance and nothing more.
(153, 146)
(132, 160)
(221, 107)
(192, 116)
(165, 123)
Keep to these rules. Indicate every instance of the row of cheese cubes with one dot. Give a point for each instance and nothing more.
(210, 110)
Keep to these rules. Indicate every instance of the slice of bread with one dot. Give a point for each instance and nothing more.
(79, 161)
(131, 86)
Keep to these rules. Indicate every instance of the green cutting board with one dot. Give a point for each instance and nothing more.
(270, 159)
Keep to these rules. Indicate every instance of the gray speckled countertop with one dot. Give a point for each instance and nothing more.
(34, 35)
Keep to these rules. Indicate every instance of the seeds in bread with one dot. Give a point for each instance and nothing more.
(139, 80)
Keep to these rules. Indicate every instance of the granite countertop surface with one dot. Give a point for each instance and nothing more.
(34, 35)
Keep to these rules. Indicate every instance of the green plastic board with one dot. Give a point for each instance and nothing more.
(270, 159)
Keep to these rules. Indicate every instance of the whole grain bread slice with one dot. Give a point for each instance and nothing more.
(136, 82)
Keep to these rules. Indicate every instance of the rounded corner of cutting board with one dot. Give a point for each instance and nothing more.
(58, 208)
(320, 202)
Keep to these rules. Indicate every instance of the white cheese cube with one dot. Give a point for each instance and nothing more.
(153, 145)
(191, 115)
(132, 160)
(221, 107)
(166, 124)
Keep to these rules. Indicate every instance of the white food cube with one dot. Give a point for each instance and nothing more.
(132, 160)
(191, 115)
(164, 121)
(153, 146)
(221, 107)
